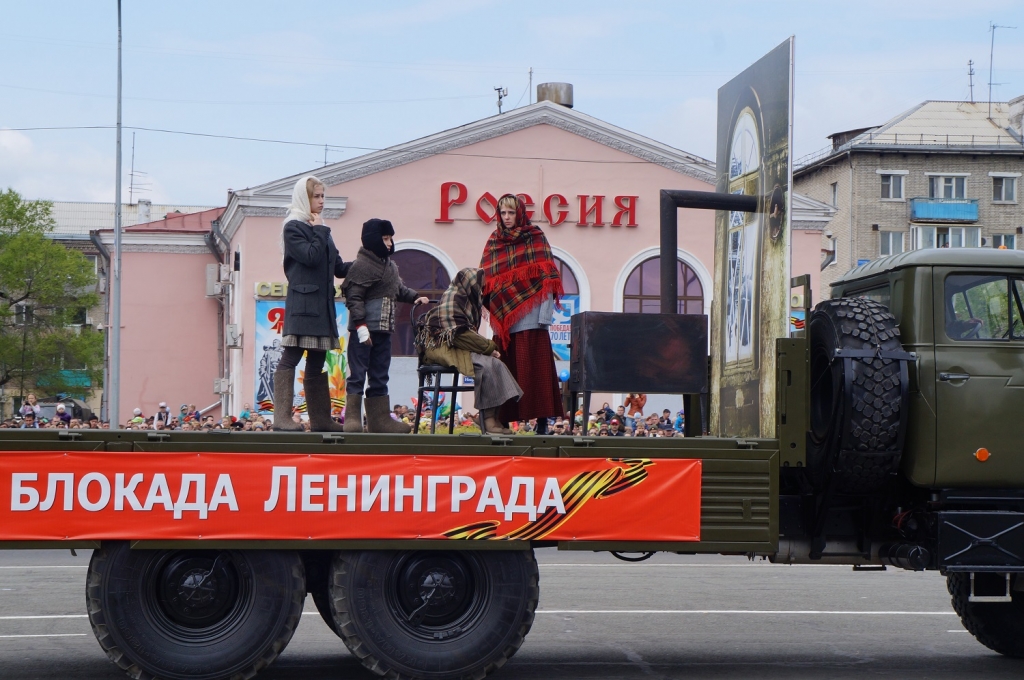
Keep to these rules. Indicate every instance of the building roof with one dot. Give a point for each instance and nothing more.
(197, 222)
(271, 198)
(75, 219)
(809, 214)
(931, 127)
(936, 257)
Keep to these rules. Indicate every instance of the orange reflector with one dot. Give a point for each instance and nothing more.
(982, 454)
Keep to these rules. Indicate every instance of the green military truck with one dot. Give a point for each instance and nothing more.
(897, 445)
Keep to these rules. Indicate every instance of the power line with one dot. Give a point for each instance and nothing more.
(319, 145)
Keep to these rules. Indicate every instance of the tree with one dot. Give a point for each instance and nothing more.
(45, 290)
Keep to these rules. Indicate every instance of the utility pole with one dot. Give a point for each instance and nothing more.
(991, 52)
(114, 388)
(502, 93)
(970, 77)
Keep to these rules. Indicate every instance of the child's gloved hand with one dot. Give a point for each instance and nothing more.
(363, 333)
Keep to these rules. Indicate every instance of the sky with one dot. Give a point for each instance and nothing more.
(362, 76)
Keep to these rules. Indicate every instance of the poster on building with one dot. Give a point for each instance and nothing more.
(559, 330)
(269, 322)
(752, 250)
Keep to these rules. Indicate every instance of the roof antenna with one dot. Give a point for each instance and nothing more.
(502, 93)
(991, 51)
(970, 77)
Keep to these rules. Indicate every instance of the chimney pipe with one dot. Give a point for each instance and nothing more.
(559, 93)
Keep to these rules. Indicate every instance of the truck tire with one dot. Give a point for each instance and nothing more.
(419, 615)
(318, 575)
(997, 625)
(193, 614)
(854, 446)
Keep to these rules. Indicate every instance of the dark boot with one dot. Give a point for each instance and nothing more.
(284, 392)
(353, 413)
(378, 417)
(318, 404)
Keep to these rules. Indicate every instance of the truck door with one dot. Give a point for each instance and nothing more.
(979, 371)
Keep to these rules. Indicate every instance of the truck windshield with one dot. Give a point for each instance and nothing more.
(984, 307)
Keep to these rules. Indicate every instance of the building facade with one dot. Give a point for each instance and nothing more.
(943, 174)
(592, 187)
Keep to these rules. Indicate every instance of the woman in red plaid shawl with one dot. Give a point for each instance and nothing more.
(522, 286)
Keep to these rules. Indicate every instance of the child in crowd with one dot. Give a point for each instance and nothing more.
(372, 287)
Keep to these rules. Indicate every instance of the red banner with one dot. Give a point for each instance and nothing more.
(91, 496)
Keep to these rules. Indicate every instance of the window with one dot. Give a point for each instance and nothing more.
(569, 284)
(426, 275)
(946, 237)
(892, 187)
(23, 315)
(1004, 189)
(835, 194)
(984, 307)
(881, 294)
(1008, 240)
(643, 289)
(947, 187)
(891, 243)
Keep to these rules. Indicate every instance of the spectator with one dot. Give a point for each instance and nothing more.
(680, 423)
(62, 414)
(28, 421)
(635, 405)
(162, 414)
(246, 411)
(665, 422)
(615, 428)
(30, 406)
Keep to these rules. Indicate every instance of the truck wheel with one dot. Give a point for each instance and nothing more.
(318, 575)
(434, 614)
(997, 625)
(858, 441)
(193, 614)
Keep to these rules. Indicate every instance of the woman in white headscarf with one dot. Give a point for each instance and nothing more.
(311, 263)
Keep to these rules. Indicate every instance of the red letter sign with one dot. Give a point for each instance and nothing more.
(562, 214)
(627, 208)
(487, 198)
(585, 212)
(528, 202)
(447, 201)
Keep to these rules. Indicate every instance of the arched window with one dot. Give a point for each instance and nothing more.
(643, 289)
(569, 283)
(427, 276)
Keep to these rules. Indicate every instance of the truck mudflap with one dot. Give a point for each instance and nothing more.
(979, 541)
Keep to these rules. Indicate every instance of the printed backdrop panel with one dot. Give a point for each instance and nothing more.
(269, 322)
(559, 330)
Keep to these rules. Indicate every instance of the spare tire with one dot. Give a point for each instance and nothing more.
(857, 410)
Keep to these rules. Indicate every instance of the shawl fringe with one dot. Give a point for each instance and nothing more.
(500, 328)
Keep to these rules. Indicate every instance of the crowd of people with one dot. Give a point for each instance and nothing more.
(604, 422)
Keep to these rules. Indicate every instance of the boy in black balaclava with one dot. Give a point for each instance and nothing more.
(371, 289)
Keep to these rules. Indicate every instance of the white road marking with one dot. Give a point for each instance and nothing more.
(758, 565)
(47, 635)
(768, 612)
(44, 616)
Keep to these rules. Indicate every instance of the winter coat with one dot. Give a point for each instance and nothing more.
(311, 263)
(371, 289)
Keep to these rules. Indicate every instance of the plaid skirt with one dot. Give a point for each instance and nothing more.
(324, 343)
(531, 361)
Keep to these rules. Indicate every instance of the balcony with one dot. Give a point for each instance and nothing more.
(943, 210)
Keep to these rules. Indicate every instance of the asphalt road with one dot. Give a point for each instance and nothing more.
(670, 617)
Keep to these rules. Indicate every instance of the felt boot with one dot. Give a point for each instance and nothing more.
(353, 413)
(378, 417)
(318, 404)
(284, 392)
(491, 423)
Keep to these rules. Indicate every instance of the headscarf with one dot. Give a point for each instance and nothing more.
(298, 209)
(519, 271)
(458, 311)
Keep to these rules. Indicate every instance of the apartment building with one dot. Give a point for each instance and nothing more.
(941, 175)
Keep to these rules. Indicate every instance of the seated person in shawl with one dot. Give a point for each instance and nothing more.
(448, 337)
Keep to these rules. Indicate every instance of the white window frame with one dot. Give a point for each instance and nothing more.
(1005, 176)
(834, 188)
(888, 235)
(944, 176)
(1003, 237)
(902, 174)
(954, 233)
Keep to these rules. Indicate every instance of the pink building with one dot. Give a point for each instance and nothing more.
(595, 192)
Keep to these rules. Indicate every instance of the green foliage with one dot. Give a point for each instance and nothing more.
(44, 287)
